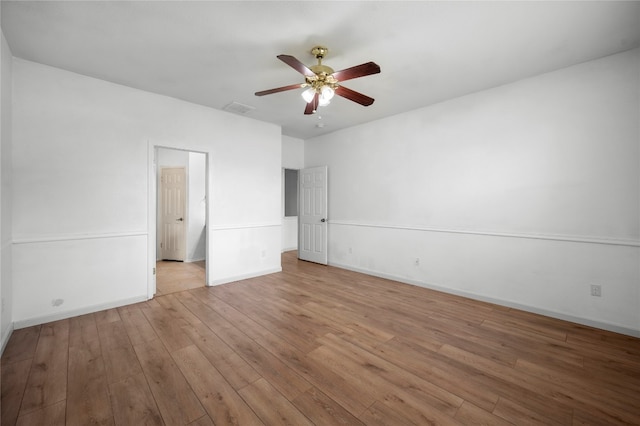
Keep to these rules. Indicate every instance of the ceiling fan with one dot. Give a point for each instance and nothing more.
(323, 82)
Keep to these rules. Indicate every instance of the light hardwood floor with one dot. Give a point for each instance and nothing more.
(318, 345)
(172, 277)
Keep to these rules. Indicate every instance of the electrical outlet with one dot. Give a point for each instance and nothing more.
(417, 261)
(596, 290)
(350, 250)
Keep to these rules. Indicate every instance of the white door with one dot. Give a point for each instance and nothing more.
(312, 232)
(173, 188)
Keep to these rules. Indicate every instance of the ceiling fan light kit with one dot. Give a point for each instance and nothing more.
(322, 82)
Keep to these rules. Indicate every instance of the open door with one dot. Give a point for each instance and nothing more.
(312, 219)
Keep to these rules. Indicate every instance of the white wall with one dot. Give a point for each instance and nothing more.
(82, 179)
(525, 194)
(172, 158)
(292, 152)
(292, 158)
(6, 283)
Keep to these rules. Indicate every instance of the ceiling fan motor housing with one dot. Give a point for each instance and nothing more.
(322, 73)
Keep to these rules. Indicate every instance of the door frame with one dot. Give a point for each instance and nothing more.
(152, 208)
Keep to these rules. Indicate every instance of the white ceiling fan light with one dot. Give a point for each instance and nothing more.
(308, 94)
(326, 94)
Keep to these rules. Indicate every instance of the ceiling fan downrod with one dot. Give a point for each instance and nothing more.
(320, 52)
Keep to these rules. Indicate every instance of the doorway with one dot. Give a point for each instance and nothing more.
(289, 209)
(181, 212)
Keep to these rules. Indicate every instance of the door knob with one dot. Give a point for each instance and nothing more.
(180, 220)
(323, 220)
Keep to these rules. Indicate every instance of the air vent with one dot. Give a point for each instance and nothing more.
(238, 108)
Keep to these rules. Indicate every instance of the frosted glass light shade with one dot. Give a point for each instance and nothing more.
(325, 95)
(323, 101)
(308, 94)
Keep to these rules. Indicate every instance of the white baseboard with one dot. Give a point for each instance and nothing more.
(5, 338)
(76, 312)
(244, 276)
(578, 320)
(289, 249)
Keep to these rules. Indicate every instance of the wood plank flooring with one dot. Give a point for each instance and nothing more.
(318, 345)
(172, 277)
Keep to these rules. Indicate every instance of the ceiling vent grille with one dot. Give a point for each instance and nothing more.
(238, 108)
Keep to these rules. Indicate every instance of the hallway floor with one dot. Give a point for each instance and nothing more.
(172, 277)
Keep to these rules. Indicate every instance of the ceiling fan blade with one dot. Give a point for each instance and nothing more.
(354, 96)
(279, 89)
(357, 71)
(313, 105)
(296, 65)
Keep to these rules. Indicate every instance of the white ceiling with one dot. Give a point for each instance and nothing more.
(213, 52)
